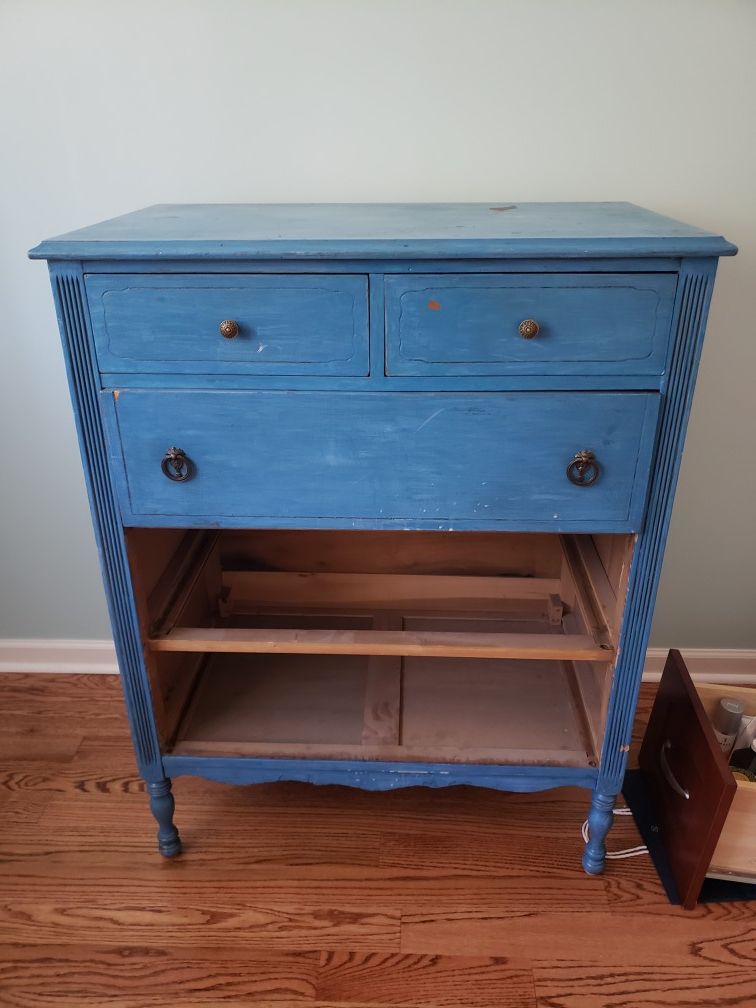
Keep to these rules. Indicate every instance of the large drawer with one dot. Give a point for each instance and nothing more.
(278, 324)
(373, 460)
(458, 324)
(704, 816)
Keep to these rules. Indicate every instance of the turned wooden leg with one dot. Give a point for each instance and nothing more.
(600, 819)
(162, 806)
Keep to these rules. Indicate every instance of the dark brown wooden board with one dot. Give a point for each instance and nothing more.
(680, 734)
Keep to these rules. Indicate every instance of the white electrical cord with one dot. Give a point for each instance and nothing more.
(628, 851)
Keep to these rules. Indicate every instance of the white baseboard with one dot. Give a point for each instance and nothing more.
(719, 665)
(715, 665)
(93, 656)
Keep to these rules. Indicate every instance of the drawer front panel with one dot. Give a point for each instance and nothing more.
(415, 460)
(469, 325)
(287, 325)
(687, 776)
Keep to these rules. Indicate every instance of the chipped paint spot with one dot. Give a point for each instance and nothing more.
(434, 305)
(116, 394)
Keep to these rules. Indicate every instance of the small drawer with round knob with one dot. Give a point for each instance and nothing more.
(570, 324)
(223, 324)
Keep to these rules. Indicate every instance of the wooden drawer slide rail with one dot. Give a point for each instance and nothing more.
(578, 632)
(444, 644)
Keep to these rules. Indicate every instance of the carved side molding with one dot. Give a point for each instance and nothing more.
(70, 304)
(695, 286)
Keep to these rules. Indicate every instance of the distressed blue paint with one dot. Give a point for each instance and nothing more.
(401, 264)
(79, 358)
(457, 324)
(600, 818)
(503, 383)
(386, 230)
(377, 351)
(131, 520)
(162, 807)
(489, 459)
(287, 324)
(373, 775)
(341, 448)
(689, 324)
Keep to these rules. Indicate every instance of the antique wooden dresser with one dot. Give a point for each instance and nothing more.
(381, 491)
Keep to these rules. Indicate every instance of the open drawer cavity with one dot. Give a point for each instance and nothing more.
(461, 647)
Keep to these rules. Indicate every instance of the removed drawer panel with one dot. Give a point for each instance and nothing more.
(557, 324)
(382, 460)
(253, 325)
(706, 816)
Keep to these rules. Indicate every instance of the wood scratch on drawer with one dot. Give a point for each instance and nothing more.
(431, 417)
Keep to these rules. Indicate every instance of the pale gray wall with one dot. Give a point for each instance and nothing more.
(106, 107)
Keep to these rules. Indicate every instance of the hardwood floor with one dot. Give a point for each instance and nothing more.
(295, 895)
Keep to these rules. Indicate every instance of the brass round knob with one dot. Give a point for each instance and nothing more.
(176, 466)
(583, 469)
(229, 329)
(528, 328)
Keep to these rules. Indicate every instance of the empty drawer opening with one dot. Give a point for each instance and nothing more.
(453, 647)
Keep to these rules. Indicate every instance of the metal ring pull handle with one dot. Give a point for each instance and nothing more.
(669, 777)
(176, 466)
(584, 469)
(528, 328)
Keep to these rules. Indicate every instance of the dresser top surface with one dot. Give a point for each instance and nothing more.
(385, 230)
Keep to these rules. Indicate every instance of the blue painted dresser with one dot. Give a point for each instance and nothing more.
(381, 491)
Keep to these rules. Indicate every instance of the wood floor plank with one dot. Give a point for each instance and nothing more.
(19, 811)
(26, 737)
(494, 850)
(447, 899)
(606, 938)
(405, 981)
(641, 893)
(122, 831)
(35, 693)
(71, 778)
(290, 894)
(91, 976)
(217, 918)
(93, 824)
(646, 986)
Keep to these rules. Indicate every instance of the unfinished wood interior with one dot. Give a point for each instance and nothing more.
(418, 646)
